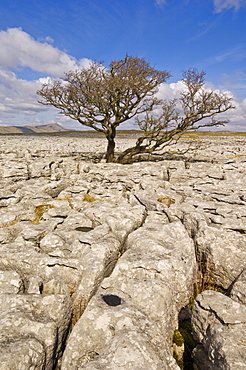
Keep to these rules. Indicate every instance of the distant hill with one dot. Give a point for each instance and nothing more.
(32, 129)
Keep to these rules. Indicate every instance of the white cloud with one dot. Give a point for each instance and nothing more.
(236, 116)
(160, 2)
(220, 5)
(49, 40)
(18, 99)
(19, 49)
(17, 93)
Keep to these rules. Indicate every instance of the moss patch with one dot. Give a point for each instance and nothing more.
(184, 336)
(179, 361)
(178, 338)
(88, 198)
(40, 210)
(166, 200)
(11, 223)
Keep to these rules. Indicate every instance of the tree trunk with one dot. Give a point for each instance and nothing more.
(127, 155)
(110, 151)
(111, 145)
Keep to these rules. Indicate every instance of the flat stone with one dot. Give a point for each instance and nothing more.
(10, 282)
(21, 323)
(219, 326)
(238, 292)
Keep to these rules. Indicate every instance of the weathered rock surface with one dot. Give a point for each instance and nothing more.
(151, 282)
(238, 292)
(219, 325)
(116, 250)
(33, 329)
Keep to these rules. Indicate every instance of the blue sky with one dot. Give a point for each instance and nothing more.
(44, 39)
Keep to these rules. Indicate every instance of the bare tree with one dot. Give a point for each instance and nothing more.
(196, 108)
(102, 98)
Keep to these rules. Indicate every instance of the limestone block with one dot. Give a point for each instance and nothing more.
(122, 219)
(16, 170)
(25, 354)
(165, 250)
(32, 232)
(153, 199)
(223, 252)
(38, 321)
(40, 168)
(62, 211)
(115, 336)
(238, 292)
(7, 197)
(8, 234)
(33, 264)
(77, 221)
(51, 242)
(10, 282)
(100, 254)
(7, 218)
(219, 325)
(55, 187)
(151, 282)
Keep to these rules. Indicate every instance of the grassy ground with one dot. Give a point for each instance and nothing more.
(194, 134)
(131, 133)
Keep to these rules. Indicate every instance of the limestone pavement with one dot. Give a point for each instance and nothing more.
(97, 261)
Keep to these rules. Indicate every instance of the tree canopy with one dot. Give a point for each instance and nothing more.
(103, 98)
(196, 108)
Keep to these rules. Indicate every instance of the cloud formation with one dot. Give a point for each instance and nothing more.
(18, 99)
(220, 5)
(235, 116)
(235, 54)
(160, 2)
(19, 49)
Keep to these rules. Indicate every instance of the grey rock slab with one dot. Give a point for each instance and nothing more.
(226, 310)
(238, 292)
(24, 354)
(31, 262)
(122, 219)
(77, 221)
(224, 253)
(10, 282)
(100, 254)
(23, 211)
(60, 211)
(15, 170)
(121, 337)
(7, 197)
(54, 188)
(8, 234)
(32, 232)
(39, 168)
(152, 280)
(219, 325)
(43, 319)
(156, 199)
(165, 251)
(51, 242)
